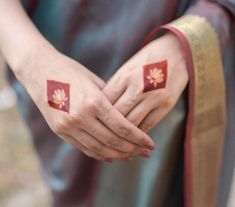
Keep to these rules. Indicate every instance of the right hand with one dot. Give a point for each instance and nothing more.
(93, 125)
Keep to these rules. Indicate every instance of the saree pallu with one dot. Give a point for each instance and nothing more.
(102, 35)
(206, 119)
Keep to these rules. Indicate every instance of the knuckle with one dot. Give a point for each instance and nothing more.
(60, 126)
(113, 143)
(96, 148)
(115, 91)
(168, 100)
(125, 77)
(93, 130)
(139, 90)
(93, 104)
(77, 118)
(128, 148)
(133, 120)
(132, 100)
(125, 131)
(148, 125)
(108, 112)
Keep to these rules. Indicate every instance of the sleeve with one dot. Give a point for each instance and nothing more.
(220, 14)
(228, 4)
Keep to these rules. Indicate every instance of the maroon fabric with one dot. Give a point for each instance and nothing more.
(32, 6)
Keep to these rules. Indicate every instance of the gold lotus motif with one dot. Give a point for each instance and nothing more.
(155, 76)
(59, 97)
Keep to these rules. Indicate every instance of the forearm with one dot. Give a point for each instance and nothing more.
(20, 41)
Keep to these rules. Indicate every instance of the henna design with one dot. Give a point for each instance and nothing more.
(58, 95)
(155, 76)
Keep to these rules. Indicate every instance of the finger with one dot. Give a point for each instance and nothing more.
(98, 81)
(114, 120)
(93, 145)
(99, 131)
(153, 118)
(142, 109)
(114, 88)
(128, 100)
(82, 148)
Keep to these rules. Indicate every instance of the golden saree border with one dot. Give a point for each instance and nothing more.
(206, 119)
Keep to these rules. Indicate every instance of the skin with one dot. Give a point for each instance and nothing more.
(34, 61)
(125, 89)
(96, 122)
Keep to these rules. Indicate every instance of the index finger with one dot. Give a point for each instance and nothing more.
(115, 121)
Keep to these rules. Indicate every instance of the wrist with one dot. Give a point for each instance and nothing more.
(171, 42)
(27, 64)
(170, 48)
(172, 51)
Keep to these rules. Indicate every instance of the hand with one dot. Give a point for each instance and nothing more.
(145, 97)
(70, 98)
(67, 94)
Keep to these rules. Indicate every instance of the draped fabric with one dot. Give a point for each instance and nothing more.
(102, 35)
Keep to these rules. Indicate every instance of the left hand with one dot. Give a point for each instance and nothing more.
(125, 90)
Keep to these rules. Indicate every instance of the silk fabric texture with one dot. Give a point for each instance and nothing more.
(102, 35)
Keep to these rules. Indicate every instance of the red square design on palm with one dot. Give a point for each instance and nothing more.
(155, 76)
(58, 95)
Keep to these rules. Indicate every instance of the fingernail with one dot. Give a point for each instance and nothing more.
(149, 144)
(145, 153)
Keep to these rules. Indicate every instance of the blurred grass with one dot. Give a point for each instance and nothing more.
(21, 184)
